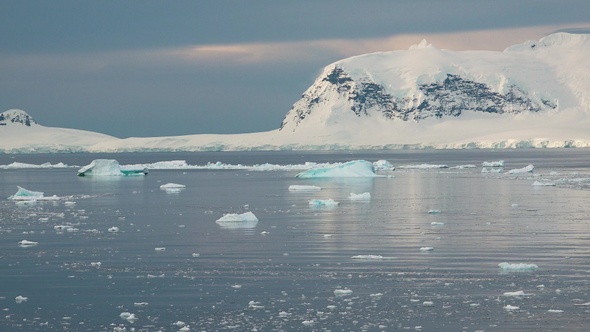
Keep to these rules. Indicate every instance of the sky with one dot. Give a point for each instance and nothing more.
(142, 68)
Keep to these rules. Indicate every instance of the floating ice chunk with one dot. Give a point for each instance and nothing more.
(383, 165)
(555, 311)
(308, 322)
(499, 163)
(69, 203)
(354, 169)
(255, 305)
(423, 166)
(152, 276)
(296, 187)
(284, 314)
(376, 296)
(95, 264)
(433, 211)
(113, 229)
(464, 166)
(544, 183)
(427, 249)
(179, 323)
(427, 304)
(527, 169)
(172, 186)
(20, 299)
(131, 318)
(236, 286)
(23, 194)
(264, 233)
(27, 243)
(517, 267)
(194, 254)
(492, 170)
(517, 293)
(109, 167)
(371, 257)
(323, 202)
(510, 307)
(360, 197)
(234, 220)
(160, 249)
(184, 329)
(437, 223)
(342, 292)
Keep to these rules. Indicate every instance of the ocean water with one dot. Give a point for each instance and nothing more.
(354, 267)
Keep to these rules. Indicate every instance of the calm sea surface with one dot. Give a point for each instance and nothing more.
(171, 266)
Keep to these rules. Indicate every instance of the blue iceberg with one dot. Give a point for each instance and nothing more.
(351, 169)
(109, 167)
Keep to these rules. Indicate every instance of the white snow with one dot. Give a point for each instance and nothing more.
(360, 197)
(516, 267)
(323, 202)
(526, 169)
(296, 187)
(355, 168)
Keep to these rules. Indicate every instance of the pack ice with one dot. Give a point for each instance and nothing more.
(351, 169)
(109, 167)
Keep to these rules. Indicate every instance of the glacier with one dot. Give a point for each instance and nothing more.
(531, 95)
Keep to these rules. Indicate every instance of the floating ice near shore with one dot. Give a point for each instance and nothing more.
(234, 220)
(342, 292)
(27, 243)
(296, 187)
(423, 166)
(109, 167)
(372, 257)
(323, 202)
(544, 184)
(527, 169)
(17, 165)
(351, 169)
(360, 197)
(499, 163)
(517, 267)
(23, 194)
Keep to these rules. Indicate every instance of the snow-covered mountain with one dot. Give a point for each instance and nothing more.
(535, 94)
(20, 133)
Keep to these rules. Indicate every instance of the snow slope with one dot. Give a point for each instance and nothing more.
(535, 94)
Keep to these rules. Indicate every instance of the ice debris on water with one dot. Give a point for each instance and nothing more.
(555, 311)
(360, 197)
(517, 267)
(255, 305)
(160, 249)
(516, 293)
(20, 299)
(433, 211)
(423, 166)
(371, 257)
(527, 169)
(234, 220)
(128, 316)
(27, 243)
(425, 249)
(437, 223)
(427, 304)
(296, 187)
(23, 194)
(499, 163)
(342, 292)
(356, 168)
(543, 183)
(172, 188)
(383, 165)
(323, 202)
(113, 229)
(510, 307)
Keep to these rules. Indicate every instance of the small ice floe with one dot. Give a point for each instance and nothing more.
(113, 229)
(527, 169)
(172, 188)
(160, 249)
(184, 329)
(514, 205)
(376, 296)
(437, 223)
(236, 286)
(296, 187)
(371, 257)
(25, 195)
(140, 304)
(354, 169)
(517, 293)
(383, 165)
(131, 318)
(323, 203)
(152, 276)
(264, 233)
(544, 184)
(284, 314)
(423, 166)
(509, 307)
(364, 197)
(433, 211)
(342, 292)
(20, 299)
(517, 267)
(234, 220)
(255, 305)
(492, 170)
(195, 254)
(555, 311)
(499, 163)
(27, 243)
(95, 264)
(179, 323)
(69, 203)
(428, 304)
(426, 249)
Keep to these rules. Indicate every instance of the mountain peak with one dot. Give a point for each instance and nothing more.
(16, 116)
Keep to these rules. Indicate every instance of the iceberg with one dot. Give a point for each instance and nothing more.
(234, 220)
(517, 267)
(351, 169)
(323, 202)
(360, 197)
(383, 165)
(296, 187)
(110, 167)
(28, 195)
(527, 169)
